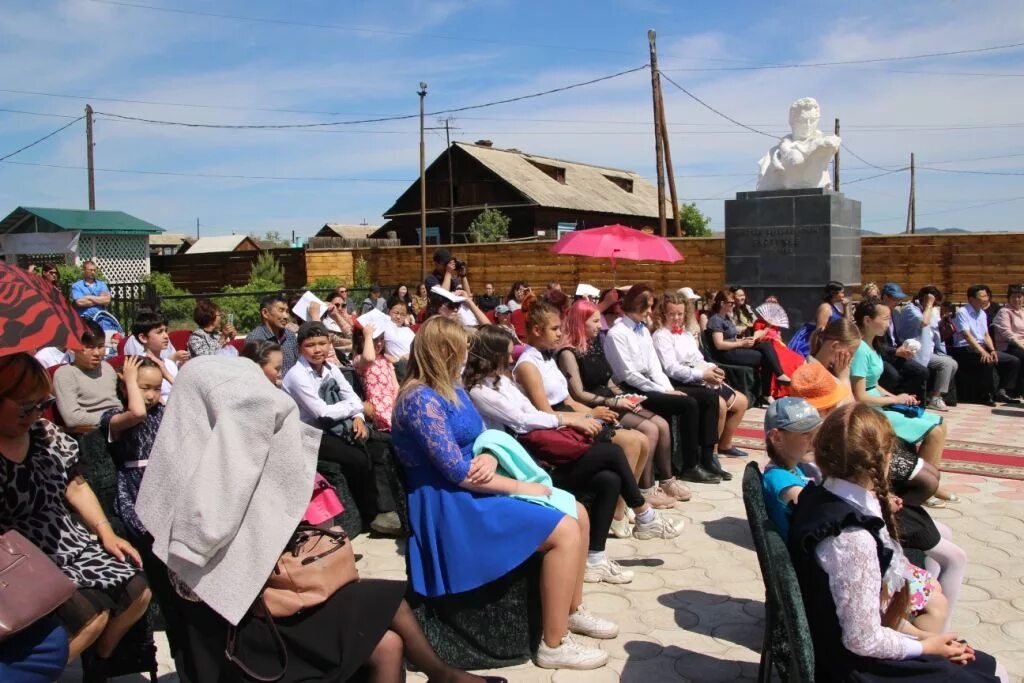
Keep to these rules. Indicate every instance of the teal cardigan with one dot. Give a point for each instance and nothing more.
(514, 462)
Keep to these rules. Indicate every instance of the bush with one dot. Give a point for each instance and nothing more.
(324, 283)
(246, 309)
(490, 225)
(176, 310)
(695, 223)
(362, 274)
(69, 274)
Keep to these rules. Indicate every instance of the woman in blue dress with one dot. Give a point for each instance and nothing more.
(467, 530)
(925, 431)
(832, 307)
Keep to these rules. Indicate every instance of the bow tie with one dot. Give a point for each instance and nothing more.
(677, 330)
(548, 354)
(639, 328)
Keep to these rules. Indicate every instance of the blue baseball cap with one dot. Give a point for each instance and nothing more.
(791, 414)
(894, 290)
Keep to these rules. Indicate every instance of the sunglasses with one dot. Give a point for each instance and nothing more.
(26, 409)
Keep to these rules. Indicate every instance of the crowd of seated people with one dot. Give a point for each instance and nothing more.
(544, 424)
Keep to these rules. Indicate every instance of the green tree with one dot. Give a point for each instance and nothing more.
(324, 283)
(490, 225)
(266, 268)
(272, 238)
(695, 223)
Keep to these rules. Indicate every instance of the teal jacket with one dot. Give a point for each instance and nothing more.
(514, 462)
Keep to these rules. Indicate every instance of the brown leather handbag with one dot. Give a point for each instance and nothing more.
(31, 585)
(315, 564)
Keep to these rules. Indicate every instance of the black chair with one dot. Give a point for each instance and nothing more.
(787, 643)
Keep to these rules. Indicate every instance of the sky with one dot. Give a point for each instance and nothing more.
(263, 63)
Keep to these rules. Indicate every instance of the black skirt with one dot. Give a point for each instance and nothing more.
(330, 642)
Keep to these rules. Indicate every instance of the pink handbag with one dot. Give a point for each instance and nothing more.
(324, 505)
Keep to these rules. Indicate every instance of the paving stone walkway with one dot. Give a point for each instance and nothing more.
(695, 611)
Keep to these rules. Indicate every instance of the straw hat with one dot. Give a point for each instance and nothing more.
(816, 385)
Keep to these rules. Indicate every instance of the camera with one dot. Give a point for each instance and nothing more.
(460, 267)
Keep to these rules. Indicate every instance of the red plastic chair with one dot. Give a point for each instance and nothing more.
(116, 362)
(491, 316)
(51, 413)
(179, 339)
(518, 322)
(238, 343)
(120, 345)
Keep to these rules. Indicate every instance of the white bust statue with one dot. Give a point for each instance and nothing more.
(800, 160)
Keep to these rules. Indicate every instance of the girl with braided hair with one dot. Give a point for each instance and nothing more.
(856, 583)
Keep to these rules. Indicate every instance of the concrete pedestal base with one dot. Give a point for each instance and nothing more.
(790, 243)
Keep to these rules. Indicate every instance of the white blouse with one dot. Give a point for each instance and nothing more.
(502, 404)
(556, 387)
(398, 341)
(855, 580)
(680, 356)
(630, 351)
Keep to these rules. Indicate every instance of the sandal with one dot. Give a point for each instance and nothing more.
(934, 502)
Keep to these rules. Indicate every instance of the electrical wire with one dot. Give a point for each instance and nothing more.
(45, 137)
(712, 109)
(873, 60)
(231, 176)
(877, 175)
(967, 172)
(471, 107)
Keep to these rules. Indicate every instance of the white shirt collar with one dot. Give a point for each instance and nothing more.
(856, 495)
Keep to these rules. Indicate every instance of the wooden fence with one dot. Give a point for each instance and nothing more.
(951, 262)
(198, 273)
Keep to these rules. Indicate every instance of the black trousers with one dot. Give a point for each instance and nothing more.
(761, 356)
(603, 474)
(1018, 353)
(366, 470)
(696, 444)
(903, 376)
(1007, 369)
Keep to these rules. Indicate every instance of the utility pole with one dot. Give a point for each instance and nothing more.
(668, 163)
(658, 139)
(451, 180)
(835, 162)
(88, 157)
(197, 228)
(912, 203)
(423, 188)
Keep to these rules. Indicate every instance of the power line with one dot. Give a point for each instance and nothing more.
(877, 175)
(965, 171)
(709, 107)
(231, 176)
(944, 211)
(38, 113)
(471, 107)
(45, 137)
(860, 158)
(873, 60)
(918, 72)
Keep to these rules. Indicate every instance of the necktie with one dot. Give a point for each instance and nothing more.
(548, 354)
(677, 330)
(639, 328)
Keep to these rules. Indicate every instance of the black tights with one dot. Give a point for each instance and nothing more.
(603, 473)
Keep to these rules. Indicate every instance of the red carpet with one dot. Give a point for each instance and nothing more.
(985, 460)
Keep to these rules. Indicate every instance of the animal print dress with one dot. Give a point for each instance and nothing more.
(32, 501)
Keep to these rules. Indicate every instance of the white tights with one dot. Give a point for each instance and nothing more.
(947, 562)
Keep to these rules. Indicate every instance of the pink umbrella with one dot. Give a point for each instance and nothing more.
(617, 242)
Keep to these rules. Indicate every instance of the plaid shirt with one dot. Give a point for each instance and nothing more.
(203, 343)
(288, 341)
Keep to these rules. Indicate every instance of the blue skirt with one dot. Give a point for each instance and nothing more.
(801, 341)
(462, 540)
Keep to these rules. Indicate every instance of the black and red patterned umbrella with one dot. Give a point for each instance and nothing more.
(34, 314)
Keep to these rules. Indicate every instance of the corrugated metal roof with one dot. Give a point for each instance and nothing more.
(586, 187)
(168, 239)
(29, 218)
(216, 243)
(349, 230)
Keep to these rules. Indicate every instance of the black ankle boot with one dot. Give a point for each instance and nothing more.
(715, 467)
(699, 475)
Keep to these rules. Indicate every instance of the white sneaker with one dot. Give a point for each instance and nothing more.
(620, 528)
(570, 654)
(936, 403)
(608, 571)
(659, 527)
(584, 623)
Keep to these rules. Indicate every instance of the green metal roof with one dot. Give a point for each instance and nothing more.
(35, 219)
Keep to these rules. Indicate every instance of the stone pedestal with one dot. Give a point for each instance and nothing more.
(790, 243)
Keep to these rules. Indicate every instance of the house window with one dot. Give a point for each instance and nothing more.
(433, 235)
(556, 173)
(625, 183)
(565, 228)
